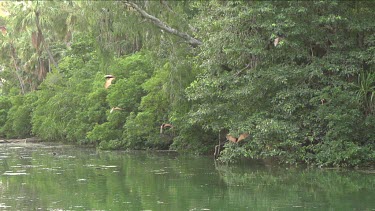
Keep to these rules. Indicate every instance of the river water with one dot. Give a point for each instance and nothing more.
(60, 177)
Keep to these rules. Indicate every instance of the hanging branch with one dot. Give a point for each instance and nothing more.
(17, 69)
(40, 33)
(160, 24)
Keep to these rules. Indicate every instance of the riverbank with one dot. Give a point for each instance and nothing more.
(34, 140)
(25, 140)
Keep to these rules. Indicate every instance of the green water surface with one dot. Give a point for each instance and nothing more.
(52, 177)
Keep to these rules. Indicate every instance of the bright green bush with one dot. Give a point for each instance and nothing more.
(126, 93)
(5, 105)
(18, 120)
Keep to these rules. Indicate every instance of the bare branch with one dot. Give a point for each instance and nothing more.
(157, 22)
(238, 72)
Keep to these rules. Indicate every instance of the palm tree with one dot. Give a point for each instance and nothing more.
(41, 24)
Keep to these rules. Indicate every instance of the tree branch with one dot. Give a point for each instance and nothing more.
(160, 24)
(238, 72)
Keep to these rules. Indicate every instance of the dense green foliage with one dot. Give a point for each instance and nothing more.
(298, 76)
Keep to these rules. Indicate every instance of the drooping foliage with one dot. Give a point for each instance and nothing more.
(298, 76)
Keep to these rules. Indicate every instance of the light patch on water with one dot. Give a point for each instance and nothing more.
(159, 171)
(108, 166)
(31, 166)
(55, 202)
(14, 173)
(48, 169)
(18, 147)
(2, 205)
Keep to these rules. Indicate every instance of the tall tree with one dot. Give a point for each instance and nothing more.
(40, 24)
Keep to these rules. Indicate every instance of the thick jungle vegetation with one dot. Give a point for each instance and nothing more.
(297, 76)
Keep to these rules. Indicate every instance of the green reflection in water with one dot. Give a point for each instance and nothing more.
(70, 178)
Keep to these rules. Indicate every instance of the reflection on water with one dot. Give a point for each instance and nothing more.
(51, 177)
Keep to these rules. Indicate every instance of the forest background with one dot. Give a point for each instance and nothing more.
(298, 76)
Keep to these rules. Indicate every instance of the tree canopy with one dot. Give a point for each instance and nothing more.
(297, 76)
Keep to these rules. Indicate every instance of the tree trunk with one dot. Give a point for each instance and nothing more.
(14, 57)
(46, 46)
